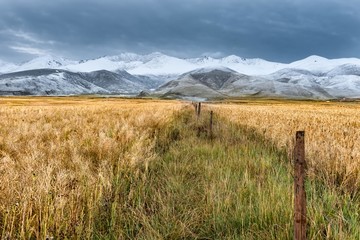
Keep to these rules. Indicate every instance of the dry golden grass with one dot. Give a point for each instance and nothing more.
(332, 134)
(81, 167)
(59, 156)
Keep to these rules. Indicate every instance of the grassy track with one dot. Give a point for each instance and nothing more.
(234, 186)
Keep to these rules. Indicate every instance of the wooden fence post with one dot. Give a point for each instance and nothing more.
(195, 106)
(199, 109)
(211, 123)
(299, 187)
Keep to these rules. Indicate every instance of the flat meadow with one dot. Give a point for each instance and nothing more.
(331, 128)
(112, 168)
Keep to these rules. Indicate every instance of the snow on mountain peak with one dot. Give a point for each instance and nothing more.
(160, 64)
(319, 64)
(233, 59)
(315, 58)
(46, 61)
(94, 65)
(156, 55)
(157, 63)
(126, 57)
(6, 67)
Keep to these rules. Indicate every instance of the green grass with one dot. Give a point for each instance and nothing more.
(231, 185)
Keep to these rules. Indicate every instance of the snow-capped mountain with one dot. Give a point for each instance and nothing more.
(251, 66)
(312, 77)
(319, 64)
(150, 64)
(161, 64)
(93, 65)
(7, 67)
(47, 61)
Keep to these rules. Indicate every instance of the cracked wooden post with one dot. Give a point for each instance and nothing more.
(299, 187)
(199, 109)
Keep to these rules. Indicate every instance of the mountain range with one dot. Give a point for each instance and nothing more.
(314, 77)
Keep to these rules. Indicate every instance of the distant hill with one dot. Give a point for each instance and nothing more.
(62, 82)
(215, 83)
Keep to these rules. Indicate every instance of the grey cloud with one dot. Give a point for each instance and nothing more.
(279, 30)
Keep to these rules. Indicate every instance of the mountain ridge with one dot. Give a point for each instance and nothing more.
(311, 77)
(161, 64)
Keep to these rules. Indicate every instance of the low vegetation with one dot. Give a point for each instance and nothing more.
(133, 169)
(332, 134)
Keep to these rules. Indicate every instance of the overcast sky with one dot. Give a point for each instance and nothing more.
(277, 30)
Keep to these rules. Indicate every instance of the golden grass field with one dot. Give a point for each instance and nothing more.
(58, 157)
(331, 129)
(111, 168)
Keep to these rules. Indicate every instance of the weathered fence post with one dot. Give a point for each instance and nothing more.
(211, 123)
(195, 106)
(299, 187)
(199, 109)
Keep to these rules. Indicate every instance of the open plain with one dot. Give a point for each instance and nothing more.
(111, 168)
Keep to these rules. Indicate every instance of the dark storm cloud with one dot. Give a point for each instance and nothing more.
(279, 30)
